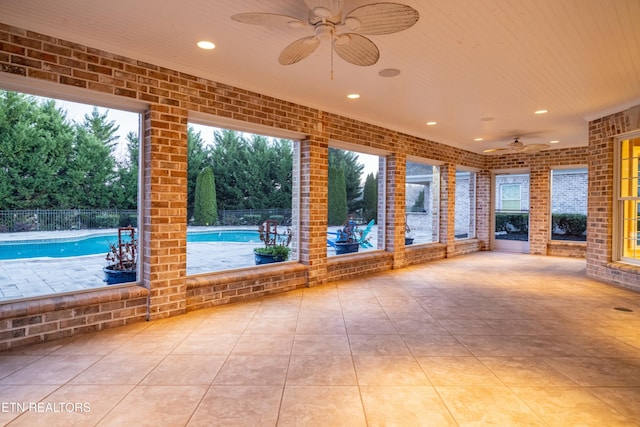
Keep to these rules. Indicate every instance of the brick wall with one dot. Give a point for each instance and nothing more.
(602, 134)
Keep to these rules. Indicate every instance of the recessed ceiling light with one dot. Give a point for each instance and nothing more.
(432, 123)
(206, 45)
(487, 119)
(555, 141)
(389, 72)
(541, 112)
(479, 139)
(353, 96)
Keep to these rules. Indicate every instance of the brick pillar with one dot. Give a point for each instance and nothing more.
(447, 207)
(539, 191)
(314, 172)
(395, 205)
(164, 212)
(483, 208)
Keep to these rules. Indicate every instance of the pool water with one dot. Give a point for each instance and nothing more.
(97, 245)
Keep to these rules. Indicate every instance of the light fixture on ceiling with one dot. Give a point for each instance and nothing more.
(326, 19)
(555, 141)
(389, 72)
(206, 45)
(479, 139)
(353, 96)
(541, 112)
(432, 123)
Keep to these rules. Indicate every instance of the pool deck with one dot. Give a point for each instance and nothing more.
(32, 277)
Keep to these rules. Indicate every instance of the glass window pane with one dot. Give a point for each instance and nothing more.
(569, 194)
(422, 197)
(465, 205)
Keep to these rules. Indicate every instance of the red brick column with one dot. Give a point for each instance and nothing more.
(395, 205)
(447, 207)
(314, 172)
(164, 211)
(539, 199)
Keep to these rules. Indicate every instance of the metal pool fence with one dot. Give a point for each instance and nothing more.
(65, 219)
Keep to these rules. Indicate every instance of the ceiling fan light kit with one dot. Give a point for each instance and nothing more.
(327, 21)
(517, 147)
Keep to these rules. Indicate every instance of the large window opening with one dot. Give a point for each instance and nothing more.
(569, 192)
(628, 201)
(69, 181)
(355, 202)
(465, 205)
(422, 198)
(240, 198)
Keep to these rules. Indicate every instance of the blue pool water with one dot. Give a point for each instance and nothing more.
(97, 245)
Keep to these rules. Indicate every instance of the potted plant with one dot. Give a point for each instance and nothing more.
(276, 245)
(408, 234)
(347, 239)
(123, 256)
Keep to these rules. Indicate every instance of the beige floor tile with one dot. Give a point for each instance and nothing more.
(434, 345)
(223, 324)
(75, 405)
(404, 406)
(335, 345)
(335, 406)
(119, 369)
(525, 371)
(185, 370)
(321, 370)
(96, 343)
(468, 327)
(272, 325)
(625, 400)
(365, 325)
(378, 345)
(11, 363)
(264, 344)
(389, 370)
(496, 345)
(321, 325)
(599, 371)
(155, 406)
(457, 371)
(253, 370)
(238, 406)
(212, 344)
(153, 343)
(51, 370)
(484, 406)
(571, 406)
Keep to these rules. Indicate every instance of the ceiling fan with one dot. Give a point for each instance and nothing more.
(344, 31)
(517, 147)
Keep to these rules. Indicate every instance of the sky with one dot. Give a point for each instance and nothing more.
(128, 122)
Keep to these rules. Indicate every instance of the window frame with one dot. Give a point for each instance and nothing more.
(620, 202)
(473, 196)
(435, 192)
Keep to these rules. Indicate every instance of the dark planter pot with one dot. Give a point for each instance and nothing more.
(346, 248)
(267, 259)
(114, 277)
(408, 241)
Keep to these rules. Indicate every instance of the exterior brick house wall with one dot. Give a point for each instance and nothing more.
(36, 63)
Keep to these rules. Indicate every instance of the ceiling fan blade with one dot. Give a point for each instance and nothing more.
(534, 148)
(333, 6)
(494, 151)
(357, 49)
(298, 50)
(381, 18)
(269, 19)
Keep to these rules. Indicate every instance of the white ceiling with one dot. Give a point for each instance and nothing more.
(463, 63)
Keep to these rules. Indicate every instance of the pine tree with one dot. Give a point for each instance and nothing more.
(206, 207)
(337, 201)
(370, 198)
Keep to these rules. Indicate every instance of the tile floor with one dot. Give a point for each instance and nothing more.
(485, 339)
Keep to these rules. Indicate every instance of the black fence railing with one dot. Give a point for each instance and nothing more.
(254, 216)
(65, 219)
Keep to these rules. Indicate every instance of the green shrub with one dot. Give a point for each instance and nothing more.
(569, 224)
(512, 223)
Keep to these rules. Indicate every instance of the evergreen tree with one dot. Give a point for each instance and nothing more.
(337, 198)
(370, 199)
(35, 147)
(230, 163)
(418, 205)
(198, 157)
(126, 188)
(352, 168)
(206, 208)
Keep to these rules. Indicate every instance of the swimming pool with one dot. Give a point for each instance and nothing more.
(99, 244)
